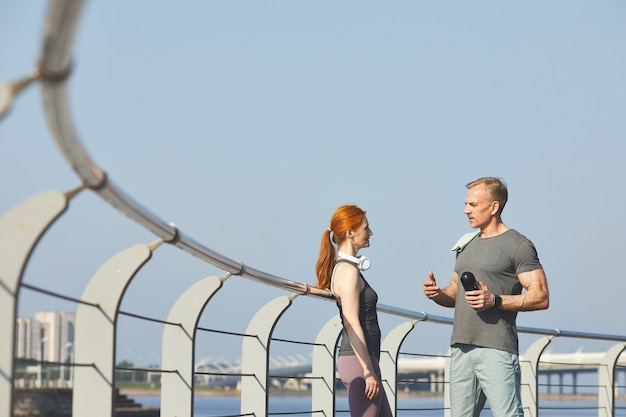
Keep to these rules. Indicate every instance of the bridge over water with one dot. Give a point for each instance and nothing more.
(98, 308)
(557, 373)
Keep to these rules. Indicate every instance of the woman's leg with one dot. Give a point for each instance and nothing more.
(352, 376)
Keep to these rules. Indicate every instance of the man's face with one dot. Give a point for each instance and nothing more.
(479, 206)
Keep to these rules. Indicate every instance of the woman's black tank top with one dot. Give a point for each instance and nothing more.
(368, 317)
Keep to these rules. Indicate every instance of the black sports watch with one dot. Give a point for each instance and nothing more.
(497, 301)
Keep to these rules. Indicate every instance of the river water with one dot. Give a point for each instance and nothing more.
(407, 407)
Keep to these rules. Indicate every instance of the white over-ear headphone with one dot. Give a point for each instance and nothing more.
(361, 262)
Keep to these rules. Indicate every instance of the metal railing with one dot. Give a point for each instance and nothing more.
(98, 308)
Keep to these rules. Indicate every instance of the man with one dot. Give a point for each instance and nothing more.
(484, 344)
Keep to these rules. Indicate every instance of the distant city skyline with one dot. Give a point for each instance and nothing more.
(47, 336)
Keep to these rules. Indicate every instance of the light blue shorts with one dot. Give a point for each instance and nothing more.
(478, 374)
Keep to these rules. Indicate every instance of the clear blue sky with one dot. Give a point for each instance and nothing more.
(247, 123)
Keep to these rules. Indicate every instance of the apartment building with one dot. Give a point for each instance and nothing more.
(46, 337)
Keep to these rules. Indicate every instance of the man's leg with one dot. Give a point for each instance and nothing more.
(466, 396)
(499, 374)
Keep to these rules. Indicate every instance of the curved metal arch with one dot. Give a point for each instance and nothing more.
(255, 356)
(529, 368)
(606, 381)
(323, 367)
(20, 230)
(94, 340)
(179, 346)
(389, 350)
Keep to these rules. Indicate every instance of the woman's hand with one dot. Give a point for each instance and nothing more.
(372, 386)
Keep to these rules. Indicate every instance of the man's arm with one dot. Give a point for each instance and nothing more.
(536, 296)
(445, 297)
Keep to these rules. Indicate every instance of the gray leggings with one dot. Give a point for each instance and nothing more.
(351, 375)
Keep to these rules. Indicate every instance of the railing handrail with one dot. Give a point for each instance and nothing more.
(61, 25)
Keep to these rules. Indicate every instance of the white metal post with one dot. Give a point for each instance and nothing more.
(20, 230)
(255, 356)
(606, 381)
(94, 341)
(323, 367)
(179, 347)
(529, 366)
(389, 349)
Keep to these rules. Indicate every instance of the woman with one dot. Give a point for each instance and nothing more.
(340, 271)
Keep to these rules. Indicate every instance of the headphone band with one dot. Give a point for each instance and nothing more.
(362, 262)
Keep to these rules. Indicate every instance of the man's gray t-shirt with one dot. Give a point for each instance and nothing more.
(496, 261)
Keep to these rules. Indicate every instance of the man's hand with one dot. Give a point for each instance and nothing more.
(431, 289)
(481, 299)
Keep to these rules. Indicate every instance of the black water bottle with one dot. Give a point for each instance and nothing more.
(469, 281)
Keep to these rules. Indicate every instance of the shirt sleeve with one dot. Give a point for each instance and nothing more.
(526, 258)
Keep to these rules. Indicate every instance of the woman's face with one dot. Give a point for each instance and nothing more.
(361, 235)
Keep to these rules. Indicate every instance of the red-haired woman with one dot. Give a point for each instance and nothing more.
(340, 271)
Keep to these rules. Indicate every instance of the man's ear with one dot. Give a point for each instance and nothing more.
(496, 207)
